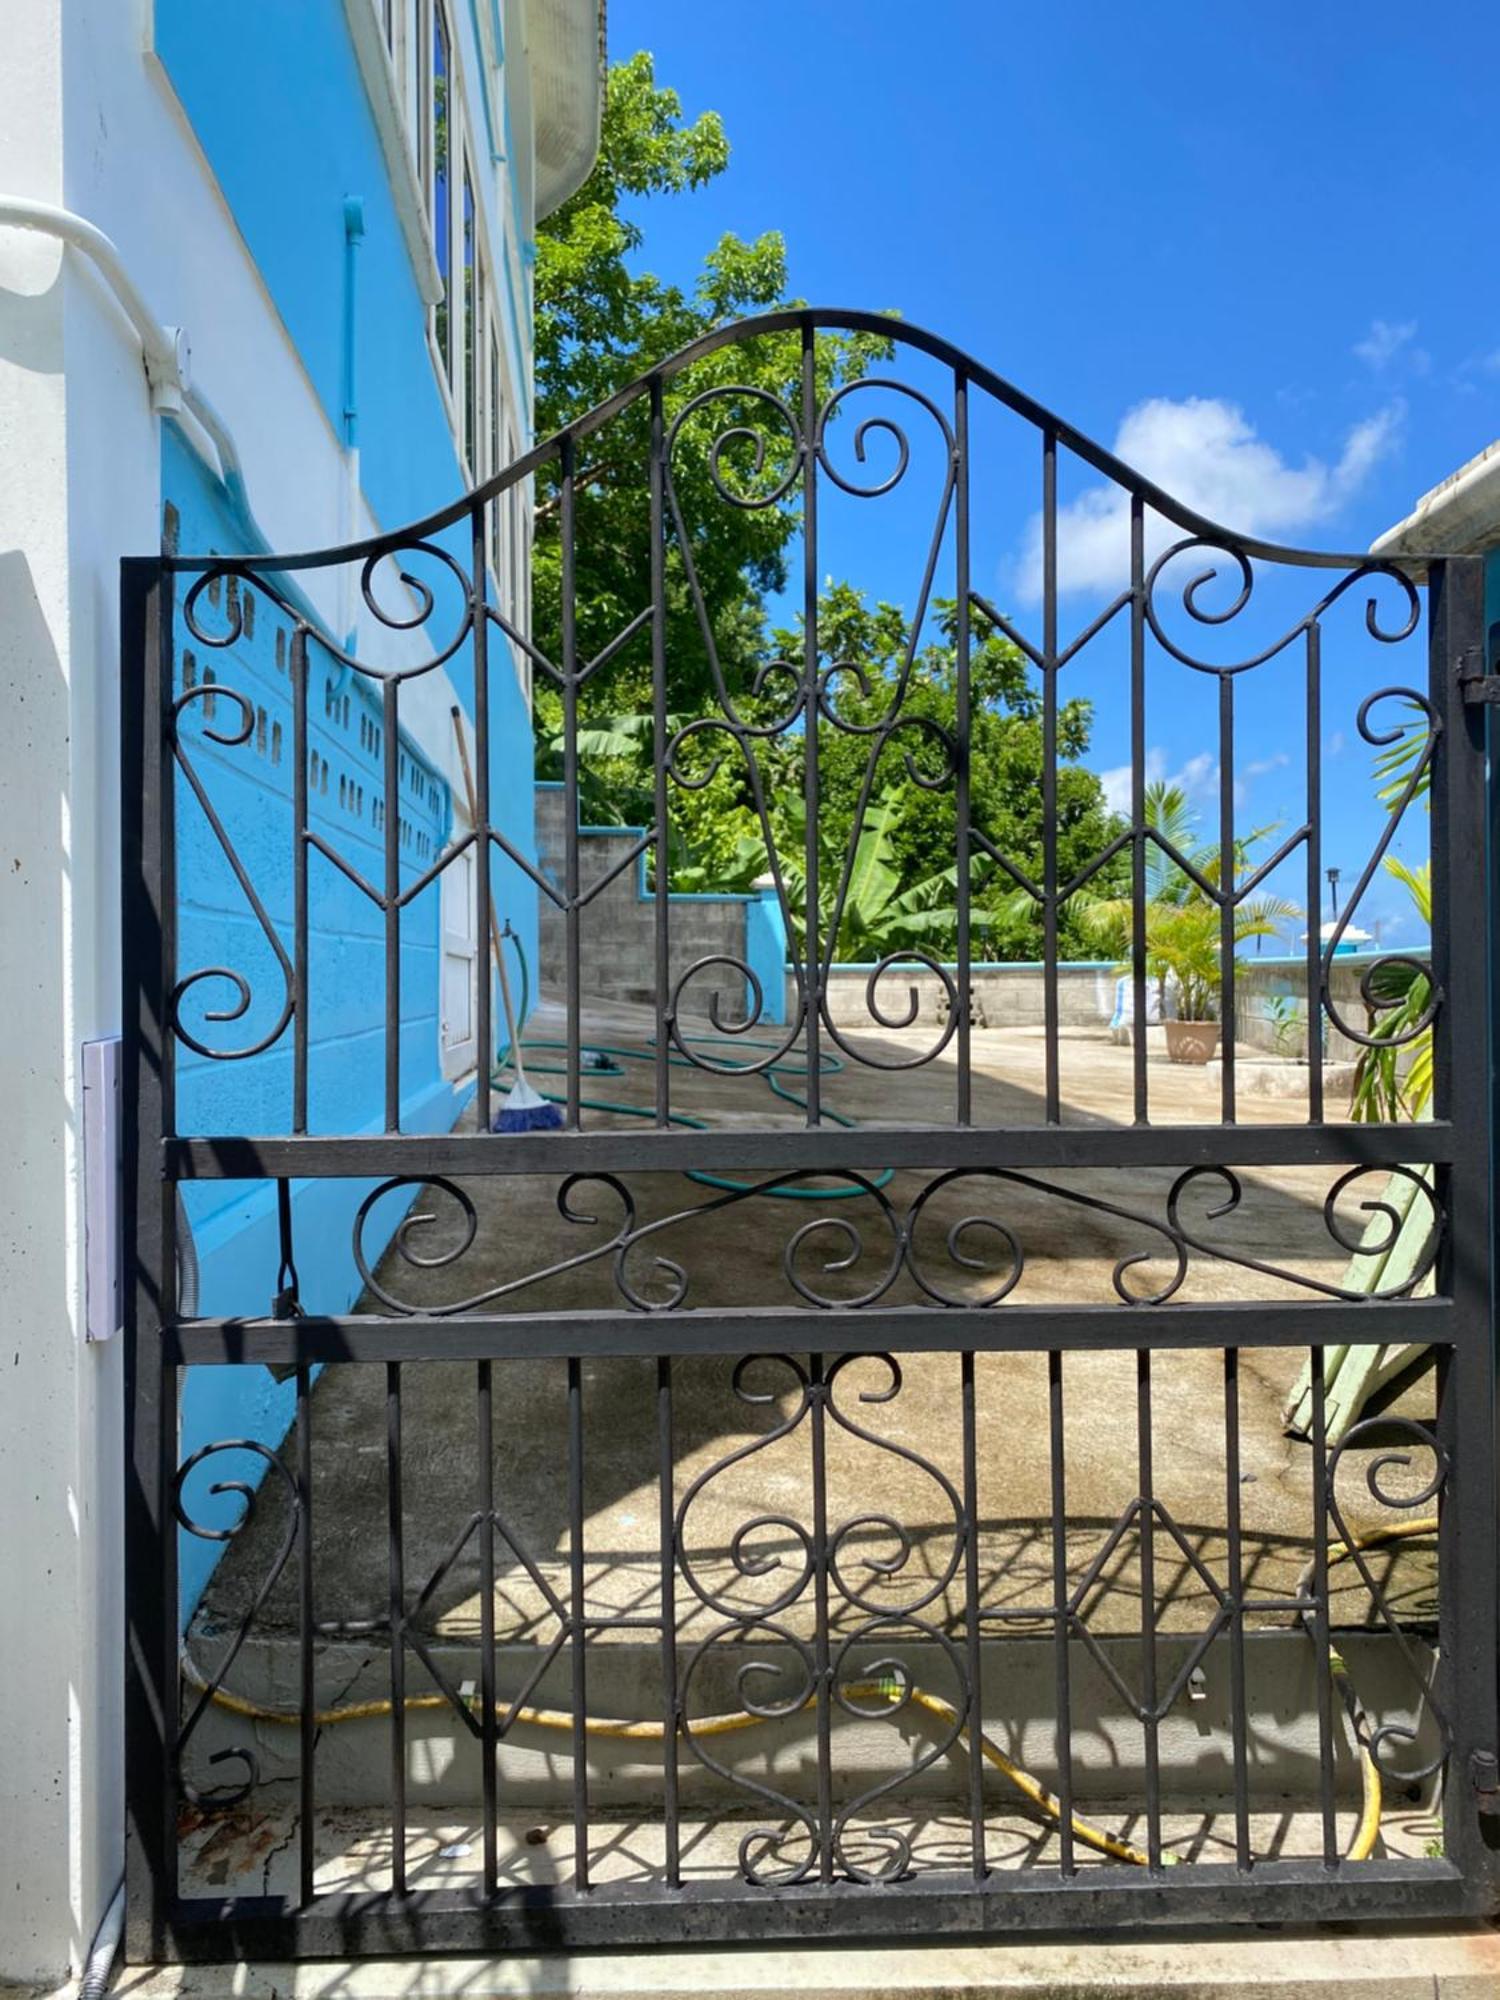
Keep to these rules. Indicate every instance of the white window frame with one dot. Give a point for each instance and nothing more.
(458, 1040)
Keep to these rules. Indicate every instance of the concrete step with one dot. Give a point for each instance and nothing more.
(907, 1748)
(1295, 1964)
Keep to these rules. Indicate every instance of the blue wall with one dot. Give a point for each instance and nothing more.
(275, 97)
(249, 785)
(277, 103)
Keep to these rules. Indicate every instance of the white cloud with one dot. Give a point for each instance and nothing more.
(1198, 777)
(1258, 767)
(1206, 453)
(1386, 340)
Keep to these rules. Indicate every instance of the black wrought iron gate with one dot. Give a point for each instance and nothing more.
(967, 1333)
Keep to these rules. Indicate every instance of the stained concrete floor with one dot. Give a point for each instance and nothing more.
(741, 1450)
(254, 1851)
(895, 1449)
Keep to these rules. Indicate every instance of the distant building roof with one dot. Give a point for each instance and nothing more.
(1459, 517)
(565, 47)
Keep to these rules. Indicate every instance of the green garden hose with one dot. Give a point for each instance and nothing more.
(774, 1076)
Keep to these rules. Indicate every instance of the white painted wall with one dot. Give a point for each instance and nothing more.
(88, 121)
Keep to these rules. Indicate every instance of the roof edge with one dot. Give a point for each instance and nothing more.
(1460, 516)
(566, 47)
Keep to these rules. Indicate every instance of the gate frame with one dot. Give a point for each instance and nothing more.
(1465, 1881)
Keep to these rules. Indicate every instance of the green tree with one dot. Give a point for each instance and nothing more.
(1184, 932)
(1005, 766)
(600, 323)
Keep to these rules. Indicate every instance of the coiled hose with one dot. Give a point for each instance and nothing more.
(899, 1694)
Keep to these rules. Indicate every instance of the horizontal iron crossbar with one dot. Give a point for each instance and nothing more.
(1008, 1329)
(936, 1905)
(226, 1156)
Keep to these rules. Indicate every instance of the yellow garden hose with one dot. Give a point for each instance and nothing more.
(708, 1725)
(1366, 1833)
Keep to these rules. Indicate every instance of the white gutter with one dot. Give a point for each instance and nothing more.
(565, 59)
(1459, 517)
(165, 348)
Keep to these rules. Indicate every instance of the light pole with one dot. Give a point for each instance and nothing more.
(1333, 891)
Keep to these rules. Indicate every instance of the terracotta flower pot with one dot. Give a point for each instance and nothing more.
(1192, 1041)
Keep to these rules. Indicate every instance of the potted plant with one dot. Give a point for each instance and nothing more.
(1184, 934)
(1182, 956)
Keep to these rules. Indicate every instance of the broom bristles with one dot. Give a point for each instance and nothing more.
(526, 1110)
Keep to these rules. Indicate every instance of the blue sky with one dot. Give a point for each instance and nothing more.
(1256, 249)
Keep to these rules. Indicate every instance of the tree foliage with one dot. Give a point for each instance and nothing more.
(603, 321)
(1184, 930)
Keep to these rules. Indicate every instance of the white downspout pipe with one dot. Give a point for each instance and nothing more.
(165, 348)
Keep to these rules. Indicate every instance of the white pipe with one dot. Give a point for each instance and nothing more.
(100, 1962)
(165, 347)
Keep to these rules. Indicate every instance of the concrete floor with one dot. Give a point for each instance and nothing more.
(255, 1851)
(734, 1255)
(894, 1453)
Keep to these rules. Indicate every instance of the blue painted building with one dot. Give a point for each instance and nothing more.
(265, 284)
(393, 238)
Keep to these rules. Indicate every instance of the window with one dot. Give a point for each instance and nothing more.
(442, 218)
(515, 559)
(471, 342)
(497, 464)
(416, 84)
(460, 961)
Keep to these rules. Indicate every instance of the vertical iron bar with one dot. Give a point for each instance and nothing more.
(1320, 1609)
(395, 1538)
(1138, 1043)
(1146, 1523)
(1049, 770)
(1463, 916)
(148, 953)
(1314, 874)
(667, 1531)
(961, 806)
(391, 903)
(573, 991)
(483, 899)
(307, 1693)
(579, 1629)
(811, 927)
(663, 911)
(485, 1444)
(1061, 1622)
(1238, 1719)
(299, 879)
(1226, 898)
(818, 1393)
(972, 1630)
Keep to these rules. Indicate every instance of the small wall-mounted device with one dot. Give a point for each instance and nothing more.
(101, 1188)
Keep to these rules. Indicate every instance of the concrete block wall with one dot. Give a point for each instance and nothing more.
(619, 927)
(1005, 996)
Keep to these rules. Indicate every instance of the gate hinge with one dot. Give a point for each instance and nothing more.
(1484, 1775)
(1477, 687)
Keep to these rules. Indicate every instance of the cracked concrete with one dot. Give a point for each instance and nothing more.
(893, 1449)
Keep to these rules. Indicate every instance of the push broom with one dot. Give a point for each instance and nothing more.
(525, 1109)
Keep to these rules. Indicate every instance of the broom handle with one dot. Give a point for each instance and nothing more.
(495, 951)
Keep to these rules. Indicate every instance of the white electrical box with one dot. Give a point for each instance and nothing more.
(101, 1188)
